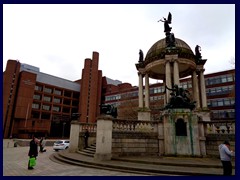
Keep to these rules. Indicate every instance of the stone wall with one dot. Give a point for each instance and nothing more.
(134, 143)
(214, 140)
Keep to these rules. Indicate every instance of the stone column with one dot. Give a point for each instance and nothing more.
(146, 91)
(168, 80)
(176, 73)
(74, 136)
(140, 91)
(195, 89)
(203, 89)
(104, 138)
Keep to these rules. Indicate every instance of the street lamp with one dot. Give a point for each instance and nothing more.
(63, 130)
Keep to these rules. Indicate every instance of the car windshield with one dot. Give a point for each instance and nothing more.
(59, 142)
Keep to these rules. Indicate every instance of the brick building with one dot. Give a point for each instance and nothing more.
(42, 104)
(220, 92)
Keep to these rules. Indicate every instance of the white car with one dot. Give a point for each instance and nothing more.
(61, 145)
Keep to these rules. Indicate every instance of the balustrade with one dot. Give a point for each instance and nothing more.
(135, 126)
(220, 127)
(92, 127)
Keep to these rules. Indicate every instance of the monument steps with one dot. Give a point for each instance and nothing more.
(62, 160)
(89, 151)
(144, 166)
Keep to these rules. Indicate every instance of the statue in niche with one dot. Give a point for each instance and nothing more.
(179, 98)
(140, 56)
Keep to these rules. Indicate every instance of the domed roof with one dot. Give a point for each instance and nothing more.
(154, 62)
(158, 50)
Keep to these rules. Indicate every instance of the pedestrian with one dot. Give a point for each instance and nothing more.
(33, 151)
(225, 156)
(42, 144)
(86, 135)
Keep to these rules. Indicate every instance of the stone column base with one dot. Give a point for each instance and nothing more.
(102, 157)
(144, 115)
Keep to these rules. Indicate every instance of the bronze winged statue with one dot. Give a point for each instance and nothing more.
(167, 28)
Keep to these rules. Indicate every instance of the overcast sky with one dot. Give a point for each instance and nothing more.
(58, 38)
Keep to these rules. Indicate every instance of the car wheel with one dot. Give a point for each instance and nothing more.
(56, 150)
(66, 147)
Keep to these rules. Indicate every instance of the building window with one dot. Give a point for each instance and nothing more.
(46, 107)
(57, 100)
(222, 102)
(47, 90)
(57, 92)
(38, 88)
(45, 116)
(184, 85)
(67, 93)
(37, 96)
(56, 108)
(219, 79)
(35, 106)
(157, 90)
(47, 99)
(223, 114)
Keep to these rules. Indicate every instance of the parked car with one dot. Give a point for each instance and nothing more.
(61, 145)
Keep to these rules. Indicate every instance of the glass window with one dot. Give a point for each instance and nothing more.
(46, 98)
(38, 88)
(35, 106)
(46, 107)
(224, 79)
(58, 92)
(57, 100)
(214, 103)
(229, 78)
(220, 102)
(37, 96)
(47, 90)
(56, 108)
(227, 102)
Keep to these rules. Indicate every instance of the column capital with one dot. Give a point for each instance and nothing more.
(141, 71)
(200, 68)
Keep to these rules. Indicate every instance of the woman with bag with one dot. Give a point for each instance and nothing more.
(33, 152)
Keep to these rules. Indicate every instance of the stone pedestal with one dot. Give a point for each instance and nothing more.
(144, 115)
(74, 136)
(181, 133)
(104, 138)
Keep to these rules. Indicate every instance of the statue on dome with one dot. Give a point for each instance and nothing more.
(140, 56)
(167, 28)
(198, 55)
(170, 39)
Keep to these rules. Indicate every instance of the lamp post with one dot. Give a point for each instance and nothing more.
(63, 129)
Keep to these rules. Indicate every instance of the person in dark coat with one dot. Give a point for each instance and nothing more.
(86, 135)
(33, 150)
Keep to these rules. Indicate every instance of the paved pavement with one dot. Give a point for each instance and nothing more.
(15, 161)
